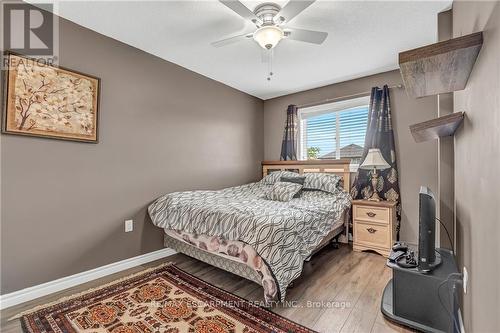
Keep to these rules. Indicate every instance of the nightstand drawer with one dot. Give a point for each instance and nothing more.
(371, 214)
(372, 234)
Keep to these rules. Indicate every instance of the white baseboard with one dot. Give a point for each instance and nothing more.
(50, 287)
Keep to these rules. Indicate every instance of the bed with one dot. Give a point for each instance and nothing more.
(264, 241)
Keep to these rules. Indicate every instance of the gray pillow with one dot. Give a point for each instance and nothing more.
(283, 191)
(297, 180)
(327, 182)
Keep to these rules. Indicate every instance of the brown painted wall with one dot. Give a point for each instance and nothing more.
(417, 162)
(162, 128)
(477, 159)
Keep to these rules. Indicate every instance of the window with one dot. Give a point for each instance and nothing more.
(335, 130)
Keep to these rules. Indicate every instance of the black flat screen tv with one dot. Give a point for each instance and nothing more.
(427, 259)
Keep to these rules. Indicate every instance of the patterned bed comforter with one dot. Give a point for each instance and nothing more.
(282, 233)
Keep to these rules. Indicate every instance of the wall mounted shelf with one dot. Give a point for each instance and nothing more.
(435, 128)
(441, 67)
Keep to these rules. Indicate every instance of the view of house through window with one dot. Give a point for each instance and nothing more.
(334, 130)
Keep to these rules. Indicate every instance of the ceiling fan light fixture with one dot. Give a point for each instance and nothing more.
(268, 36)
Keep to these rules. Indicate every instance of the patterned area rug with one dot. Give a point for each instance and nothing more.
(163, 299)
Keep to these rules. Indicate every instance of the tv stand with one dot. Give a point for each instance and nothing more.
(411, 297)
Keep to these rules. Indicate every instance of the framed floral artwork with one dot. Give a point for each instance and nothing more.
(48, 101)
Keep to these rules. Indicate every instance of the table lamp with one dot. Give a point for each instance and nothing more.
(374, 161)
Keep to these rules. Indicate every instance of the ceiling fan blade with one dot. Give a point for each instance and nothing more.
(231, 40)
(308, 36)
(292, 9)
(241, 10)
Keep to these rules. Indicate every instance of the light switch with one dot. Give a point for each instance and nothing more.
(129, 225)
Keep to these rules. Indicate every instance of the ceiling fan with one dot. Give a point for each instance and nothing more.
(271, 21)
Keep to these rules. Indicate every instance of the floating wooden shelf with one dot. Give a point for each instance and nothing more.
(435, 128)
(440, 68)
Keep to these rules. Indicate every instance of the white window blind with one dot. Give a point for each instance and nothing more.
(334, 130)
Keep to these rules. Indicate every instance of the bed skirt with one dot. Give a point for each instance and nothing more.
(229, 265)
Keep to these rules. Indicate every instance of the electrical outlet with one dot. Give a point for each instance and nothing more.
(129, 225)
(466, 279)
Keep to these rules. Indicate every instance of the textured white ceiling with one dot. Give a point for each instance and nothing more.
(364, 38)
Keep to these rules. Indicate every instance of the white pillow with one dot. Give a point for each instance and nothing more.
(328, 182)
(275, 176)
(283, 191)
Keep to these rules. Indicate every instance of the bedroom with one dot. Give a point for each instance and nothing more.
(165, 112)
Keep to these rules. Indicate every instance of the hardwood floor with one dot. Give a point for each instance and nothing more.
(351, 282)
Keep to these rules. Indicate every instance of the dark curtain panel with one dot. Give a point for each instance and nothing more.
(379, 134)
(289, 144)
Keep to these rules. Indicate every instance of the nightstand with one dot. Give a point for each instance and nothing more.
(374, 224)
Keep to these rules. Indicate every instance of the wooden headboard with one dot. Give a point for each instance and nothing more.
(339, 167)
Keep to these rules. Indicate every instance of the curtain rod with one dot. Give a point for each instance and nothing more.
(365, 93)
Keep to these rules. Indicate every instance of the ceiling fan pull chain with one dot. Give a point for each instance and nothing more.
(270, 65)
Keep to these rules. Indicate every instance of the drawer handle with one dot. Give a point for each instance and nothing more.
(371, 214)
(371, 230)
